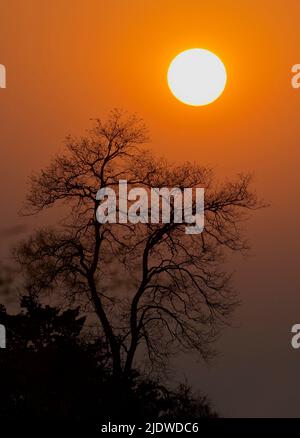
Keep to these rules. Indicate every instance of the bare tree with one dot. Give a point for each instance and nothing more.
(151, 286)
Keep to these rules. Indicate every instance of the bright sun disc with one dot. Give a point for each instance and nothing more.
(197, 77)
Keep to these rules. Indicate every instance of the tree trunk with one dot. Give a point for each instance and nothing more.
(110, 337)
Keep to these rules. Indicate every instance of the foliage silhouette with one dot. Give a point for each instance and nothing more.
(49, 371)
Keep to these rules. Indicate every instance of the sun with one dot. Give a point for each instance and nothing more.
(197, 77)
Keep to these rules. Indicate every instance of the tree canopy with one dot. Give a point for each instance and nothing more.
(153, 288)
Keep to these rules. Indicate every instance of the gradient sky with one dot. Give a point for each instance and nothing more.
(69, 61)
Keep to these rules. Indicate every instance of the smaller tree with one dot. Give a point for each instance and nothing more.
(37, 327)
(47, 369)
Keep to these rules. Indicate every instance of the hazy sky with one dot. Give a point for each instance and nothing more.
(70, 61)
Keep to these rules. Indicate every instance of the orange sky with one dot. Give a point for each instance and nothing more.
(69, 61)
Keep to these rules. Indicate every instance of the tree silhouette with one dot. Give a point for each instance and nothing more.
(49, 370)
(151, 286)
(46, 368)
